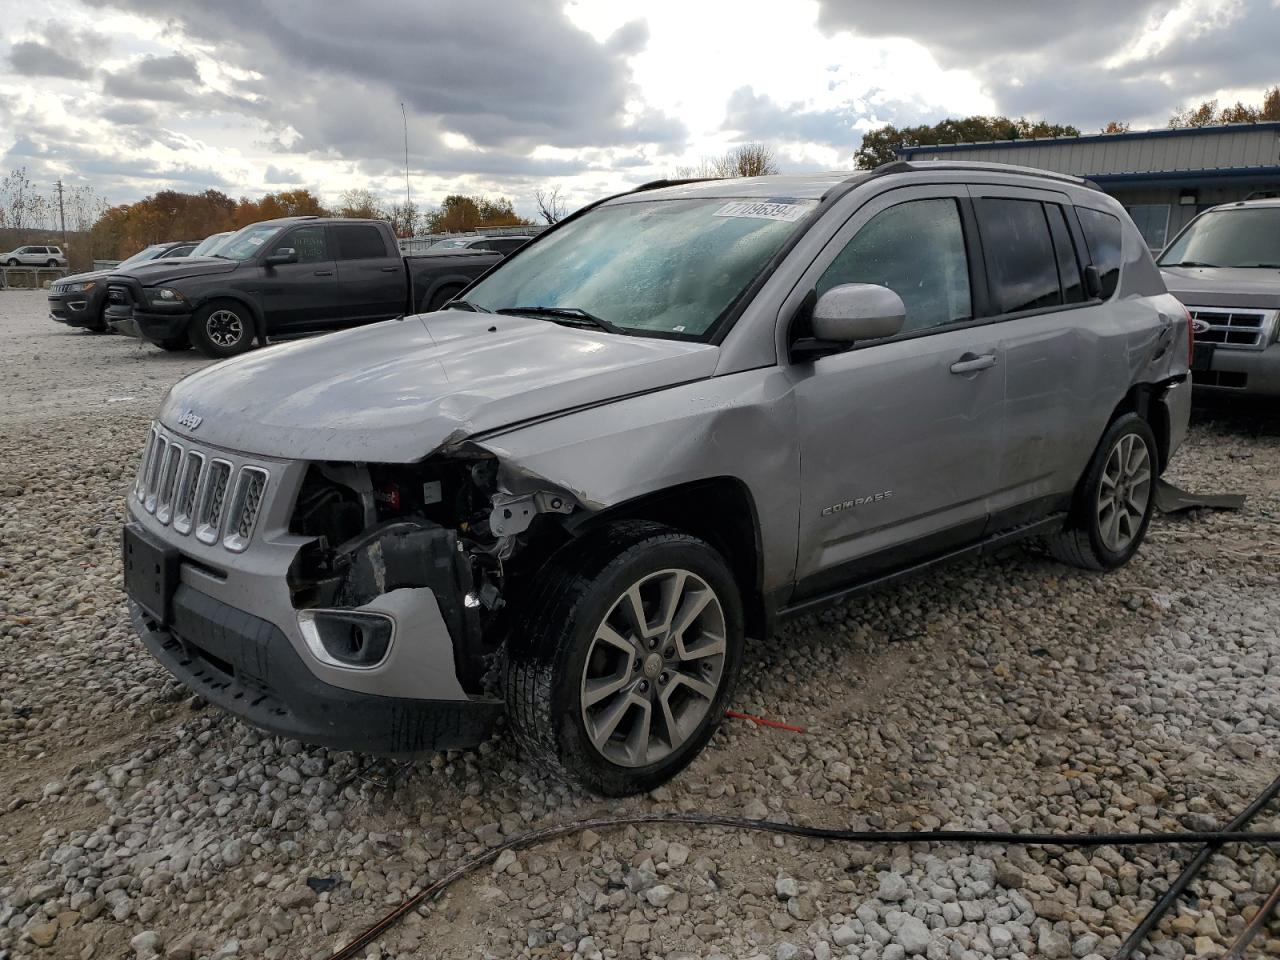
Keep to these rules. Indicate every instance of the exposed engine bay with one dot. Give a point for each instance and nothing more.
(443, 523)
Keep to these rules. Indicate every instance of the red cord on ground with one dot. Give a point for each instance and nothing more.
(763, 721)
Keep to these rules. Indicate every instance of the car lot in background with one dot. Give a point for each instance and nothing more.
(504, 245)
(283, 278)
(1225, 267)
(79, 300)
(34, 255)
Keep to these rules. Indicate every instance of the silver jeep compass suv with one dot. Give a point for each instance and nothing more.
(676, 417)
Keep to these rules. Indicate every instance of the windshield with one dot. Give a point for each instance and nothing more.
(209, 244)
(1228, 238)
(450, 244)
(247, 243)
(670, 267)
(142, 256)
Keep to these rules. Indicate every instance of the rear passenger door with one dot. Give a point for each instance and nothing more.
(371, 278)
(900, 439)
(1047, 338)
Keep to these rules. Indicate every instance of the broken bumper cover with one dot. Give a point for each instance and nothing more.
(248, 667)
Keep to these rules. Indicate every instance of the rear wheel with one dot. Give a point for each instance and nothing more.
(627, 657)
(1115, 500)
(51, 263)
(223, 328)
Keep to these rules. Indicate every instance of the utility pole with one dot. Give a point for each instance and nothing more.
(62, 215)
(407, 202)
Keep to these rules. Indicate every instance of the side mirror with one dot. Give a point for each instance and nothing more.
(1092, 283)
(281, 256)
(849, 313)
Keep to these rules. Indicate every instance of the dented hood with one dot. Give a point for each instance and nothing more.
(395, 391)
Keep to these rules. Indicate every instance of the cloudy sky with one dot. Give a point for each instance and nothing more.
(503, 96)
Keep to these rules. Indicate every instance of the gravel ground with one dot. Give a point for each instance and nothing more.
(1010, 693)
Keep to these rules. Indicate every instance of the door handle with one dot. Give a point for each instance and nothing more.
(972, 363)
(324, 273)
(390, 269)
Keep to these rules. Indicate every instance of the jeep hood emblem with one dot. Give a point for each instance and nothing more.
(190, 419)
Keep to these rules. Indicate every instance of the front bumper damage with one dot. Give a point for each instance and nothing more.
(372, 646)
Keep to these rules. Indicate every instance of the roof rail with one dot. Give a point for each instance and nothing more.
(977, 166)
(680, 182)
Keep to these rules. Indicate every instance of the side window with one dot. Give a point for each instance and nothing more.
(1021, 264)
(358, 242)
(479, 245)
(1068, 261)
(1152, 221)
(916, 249)
(309, 242)
(1102, 234)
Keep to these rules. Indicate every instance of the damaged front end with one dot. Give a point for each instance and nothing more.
(444, 524)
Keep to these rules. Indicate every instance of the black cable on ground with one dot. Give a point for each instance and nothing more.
(1254, 928)
(1189, 872)
(527, 840)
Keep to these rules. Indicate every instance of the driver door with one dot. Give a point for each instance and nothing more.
(901, 438)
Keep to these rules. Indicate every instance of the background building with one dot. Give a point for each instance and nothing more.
(1163, 177)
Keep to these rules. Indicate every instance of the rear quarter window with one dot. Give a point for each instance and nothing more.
(359, 242)
(1103, 235)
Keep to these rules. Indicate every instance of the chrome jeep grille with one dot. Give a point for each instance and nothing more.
(1230, 327)
(194, 490)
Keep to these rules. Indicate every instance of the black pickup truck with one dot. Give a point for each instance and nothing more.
(283, 278)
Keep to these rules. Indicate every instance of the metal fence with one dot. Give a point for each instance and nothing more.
(413, 245)
(29, 278)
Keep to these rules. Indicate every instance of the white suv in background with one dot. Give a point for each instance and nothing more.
(34, 256)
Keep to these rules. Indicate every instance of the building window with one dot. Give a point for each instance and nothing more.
(1152, 221)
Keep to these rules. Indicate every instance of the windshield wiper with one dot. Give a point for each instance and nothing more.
(573, 316)
(1189, 263)
(468, 305)
(1261, 264)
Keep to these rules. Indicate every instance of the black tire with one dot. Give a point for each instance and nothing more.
(216, 322)
(1085, 541)
(547, 661)
(12, 262)
(101, 326)
(174, 344)
(51, 263)
(441, 297)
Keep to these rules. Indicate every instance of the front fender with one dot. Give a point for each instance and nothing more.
(740, 426)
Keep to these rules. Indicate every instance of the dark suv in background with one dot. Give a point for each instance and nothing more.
(79, 300)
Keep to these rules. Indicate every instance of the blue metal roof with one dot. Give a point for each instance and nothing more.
(1154, 177)
(908, 152)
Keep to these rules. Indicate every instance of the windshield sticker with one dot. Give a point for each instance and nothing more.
(256, 241)
(763, 210)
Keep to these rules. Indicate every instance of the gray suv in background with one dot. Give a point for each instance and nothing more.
(675, 418)
(1225, 266)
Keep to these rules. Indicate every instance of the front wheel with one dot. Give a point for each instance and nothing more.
(622, 668)
(11, 262)
(222, 329)
(1114, 501)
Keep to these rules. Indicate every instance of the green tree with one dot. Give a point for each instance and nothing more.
(458, 213)
(881, 146)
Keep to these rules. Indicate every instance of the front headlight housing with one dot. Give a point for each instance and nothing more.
(80, 286)
(164, 296)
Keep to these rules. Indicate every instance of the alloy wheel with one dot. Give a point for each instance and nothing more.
(654, 667)
(225, 328)
(1124, 492)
